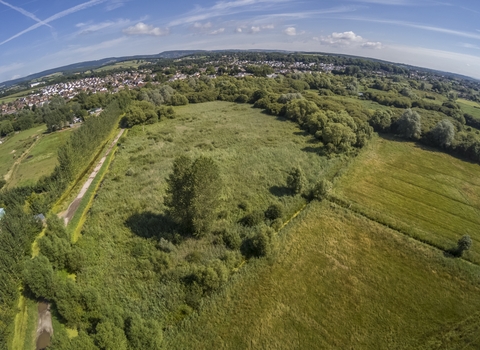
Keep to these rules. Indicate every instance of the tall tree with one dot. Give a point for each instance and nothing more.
(409, 124)
(193, 191)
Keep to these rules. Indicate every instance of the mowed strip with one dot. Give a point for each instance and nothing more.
(341, 281)
(435, 194)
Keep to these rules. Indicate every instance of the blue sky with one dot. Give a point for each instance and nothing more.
(41, 34)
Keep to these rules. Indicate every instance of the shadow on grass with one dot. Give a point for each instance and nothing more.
(280, 191)
(151, 225)
(453, 253)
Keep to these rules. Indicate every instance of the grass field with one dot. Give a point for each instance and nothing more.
(15, 146)
(254, 152)
(120, 65)
(40, 161)
(341, 281)
(428, 194)
(470, 107)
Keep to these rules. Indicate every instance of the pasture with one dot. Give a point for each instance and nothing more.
(40, 160)
(427, 194)
(120, 65)
(14, 146)
(341, 281)
(470, 107)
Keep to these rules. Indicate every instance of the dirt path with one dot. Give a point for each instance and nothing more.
(12, 170)
(72, 208)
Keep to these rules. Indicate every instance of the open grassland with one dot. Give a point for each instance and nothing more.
(15, 146)
(40, 160)
(120, 65)
(470, 107)
(341, 281)
(427, 194)
(254, 152)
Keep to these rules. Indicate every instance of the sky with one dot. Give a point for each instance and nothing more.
(36, 35)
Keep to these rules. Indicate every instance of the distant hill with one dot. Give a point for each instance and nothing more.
(88, 65)
(78, 67)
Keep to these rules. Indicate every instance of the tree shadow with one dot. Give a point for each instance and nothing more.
(453, 253)
(280, 191)
(151, 225)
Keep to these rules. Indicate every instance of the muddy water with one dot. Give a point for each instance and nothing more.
(44, 327)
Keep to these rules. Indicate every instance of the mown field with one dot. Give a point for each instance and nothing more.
(470, 107)
(15, 146)
(425, 193)
(120, 65)
(341, 281)
(40, 160)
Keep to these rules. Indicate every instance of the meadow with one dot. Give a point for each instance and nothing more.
(120, 65)
(14, 146)
(127, 223)
(427, 194)
(40, 160)
(470, 107)
(341, 281)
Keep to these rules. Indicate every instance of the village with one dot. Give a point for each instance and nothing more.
(135, 79)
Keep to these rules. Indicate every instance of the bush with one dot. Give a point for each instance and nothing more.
(253, 219)
(260, 244)
(321, 189)
(409, 124)
(296, 180)
(464, 243)
(443, 133)
(274, 211)
(232, 239)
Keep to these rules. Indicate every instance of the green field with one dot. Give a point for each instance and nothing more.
(470, 107)
(341, 281)
(254, 152)
(120, 65)
(15, 145)
(40, 160)
(425, 193)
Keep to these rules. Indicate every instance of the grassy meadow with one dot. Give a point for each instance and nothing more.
(14, 146)
(470, 107)
(425, 193)
(254, 152)
(341, 281)
(41, 159)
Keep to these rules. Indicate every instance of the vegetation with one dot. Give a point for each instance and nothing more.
(425, 194)
(333, 271)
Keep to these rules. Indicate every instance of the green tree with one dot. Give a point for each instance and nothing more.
(110, 337)
(38, 276)
(443, 133)
(464, 243)
(409, 124)
(143, 334)
(381, 120)
(296, 180)
(193, 191)
(321, 189)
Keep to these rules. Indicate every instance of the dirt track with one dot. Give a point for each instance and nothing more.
(72, 208)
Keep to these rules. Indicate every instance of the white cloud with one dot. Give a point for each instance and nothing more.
(202, 26)
(292, 31)
(239, 29)
(470, 46)
(145, 29)
(218, 31)
(346, 39)
(255, 29)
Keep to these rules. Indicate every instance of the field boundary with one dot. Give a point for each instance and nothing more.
(75, 225)
(395, 227)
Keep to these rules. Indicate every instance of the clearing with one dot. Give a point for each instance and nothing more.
(341, 281)
(427, 194)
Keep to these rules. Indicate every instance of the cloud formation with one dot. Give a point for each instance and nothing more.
(145, 29)
(291, 31)
(348, 39)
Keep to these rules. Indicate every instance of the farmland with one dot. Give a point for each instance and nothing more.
(429, 195)
(340, 281)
